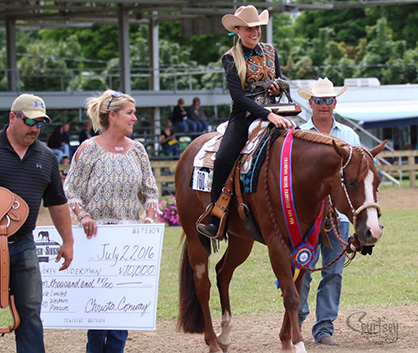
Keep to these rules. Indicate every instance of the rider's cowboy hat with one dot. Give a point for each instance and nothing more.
(245, 16)
(321, 88)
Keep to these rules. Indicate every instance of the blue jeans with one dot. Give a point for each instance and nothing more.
(26, 286)
(106, 341)
(329, 289)
(185, 126)
(172, 150)
(64, 150)
(201, 126)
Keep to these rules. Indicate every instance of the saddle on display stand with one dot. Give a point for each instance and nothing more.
(13, 213)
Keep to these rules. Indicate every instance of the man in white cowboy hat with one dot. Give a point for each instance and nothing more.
(323, 99)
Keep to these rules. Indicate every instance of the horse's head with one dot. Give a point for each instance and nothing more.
(356, 192)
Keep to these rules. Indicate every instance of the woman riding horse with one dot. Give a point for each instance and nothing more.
(249, 61)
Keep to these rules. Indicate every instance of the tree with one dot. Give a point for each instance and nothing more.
(347, 24)
(402, 19)
(385, 58)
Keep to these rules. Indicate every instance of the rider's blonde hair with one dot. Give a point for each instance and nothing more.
(238, 55)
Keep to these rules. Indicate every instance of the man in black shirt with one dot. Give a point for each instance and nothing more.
(30, 169)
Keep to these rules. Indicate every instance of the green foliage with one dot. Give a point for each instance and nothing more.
(355, 43)
(42, 68)
(348, 24)
(402, 19)
(363, 42)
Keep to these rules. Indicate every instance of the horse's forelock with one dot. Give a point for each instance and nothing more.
(361, 162)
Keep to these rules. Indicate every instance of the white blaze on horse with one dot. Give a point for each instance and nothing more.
(322, 166)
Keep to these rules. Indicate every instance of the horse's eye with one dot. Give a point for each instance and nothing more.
(351, 183)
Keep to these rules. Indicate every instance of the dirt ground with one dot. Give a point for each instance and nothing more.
(370, 329)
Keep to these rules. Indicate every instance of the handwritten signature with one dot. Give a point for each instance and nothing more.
(92, 306)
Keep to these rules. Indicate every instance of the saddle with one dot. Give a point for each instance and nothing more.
(13, 213)
(205, 159)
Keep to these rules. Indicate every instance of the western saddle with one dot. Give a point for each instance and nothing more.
(13, 213)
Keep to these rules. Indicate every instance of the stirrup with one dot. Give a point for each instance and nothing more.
(217, 211)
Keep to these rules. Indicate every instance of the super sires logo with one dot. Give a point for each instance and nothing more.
(46, 249)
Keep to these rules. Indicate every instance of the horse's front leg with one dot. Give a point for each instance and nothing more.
(290, 331)
(237, 252)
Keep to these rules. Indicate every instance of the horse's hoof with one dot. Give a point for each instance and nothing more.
(224, 347)
(299, 347)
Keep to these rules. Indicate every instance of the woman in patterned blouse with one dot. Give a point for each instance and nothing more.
(110, 181)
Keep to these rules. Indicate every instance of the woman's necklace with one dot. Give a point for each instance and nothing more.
(256, 50)
(119, 149)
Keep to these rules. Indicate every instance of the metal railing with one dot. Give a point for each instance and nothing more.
(77, 80)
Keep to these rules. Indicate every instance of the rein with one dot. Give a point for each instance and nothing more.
(275, 225)
(362, 207)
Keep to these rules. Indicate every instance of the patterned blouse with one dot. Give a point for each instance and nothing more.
(112, 187)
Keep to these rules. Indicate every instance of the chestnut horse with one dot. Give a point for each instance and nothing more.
(317, 161)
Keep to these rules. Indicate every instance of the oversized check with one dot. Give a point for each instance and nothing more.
(112, 282)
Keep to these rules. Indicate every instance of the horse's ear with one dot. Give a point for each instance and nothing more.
(339, 149)
(376, 150)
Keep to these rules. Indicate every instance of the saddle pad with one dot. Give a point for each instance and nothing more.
(250, 178)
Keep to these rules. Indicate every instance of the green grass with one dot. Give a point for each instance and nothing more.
(388, 277)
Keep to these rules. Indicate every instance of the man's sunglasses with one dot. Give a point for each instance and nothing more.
(31, 122)
(328, 101)
(115, 94)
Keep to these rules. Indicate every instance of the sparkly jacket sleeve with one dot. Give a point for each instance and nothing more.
(241, 103)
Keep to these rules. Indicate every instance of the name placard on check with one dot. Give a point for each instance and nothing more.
(112, 282)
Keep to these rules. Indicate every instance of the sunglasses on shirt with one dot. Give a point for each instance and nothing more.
(31, 122)
(115, 94)
(319, 101)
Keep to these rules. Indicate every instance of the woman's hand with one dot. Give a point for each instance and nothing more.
(280, 121)
(274, 89)
(89, 225)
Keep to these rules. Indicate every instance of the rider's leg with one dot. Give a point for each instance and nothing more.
(233, 141)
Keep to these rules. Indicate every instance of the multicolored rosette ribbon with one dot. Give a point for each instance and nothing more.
(301, 257)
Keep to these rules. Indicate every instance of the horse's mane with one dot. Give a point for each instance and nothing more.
(317, 137)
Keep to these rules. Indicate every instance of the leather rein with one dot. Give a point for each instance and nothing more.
(356, 212)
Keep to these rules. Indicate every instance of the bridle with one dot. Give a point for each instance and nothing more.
(357, 211)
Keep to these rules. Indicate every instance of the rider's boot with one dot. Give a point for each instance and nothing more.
(209, 230)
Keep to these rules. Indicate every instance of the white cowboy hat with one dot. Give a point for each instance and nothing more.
(321, 88)
(245, 16)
